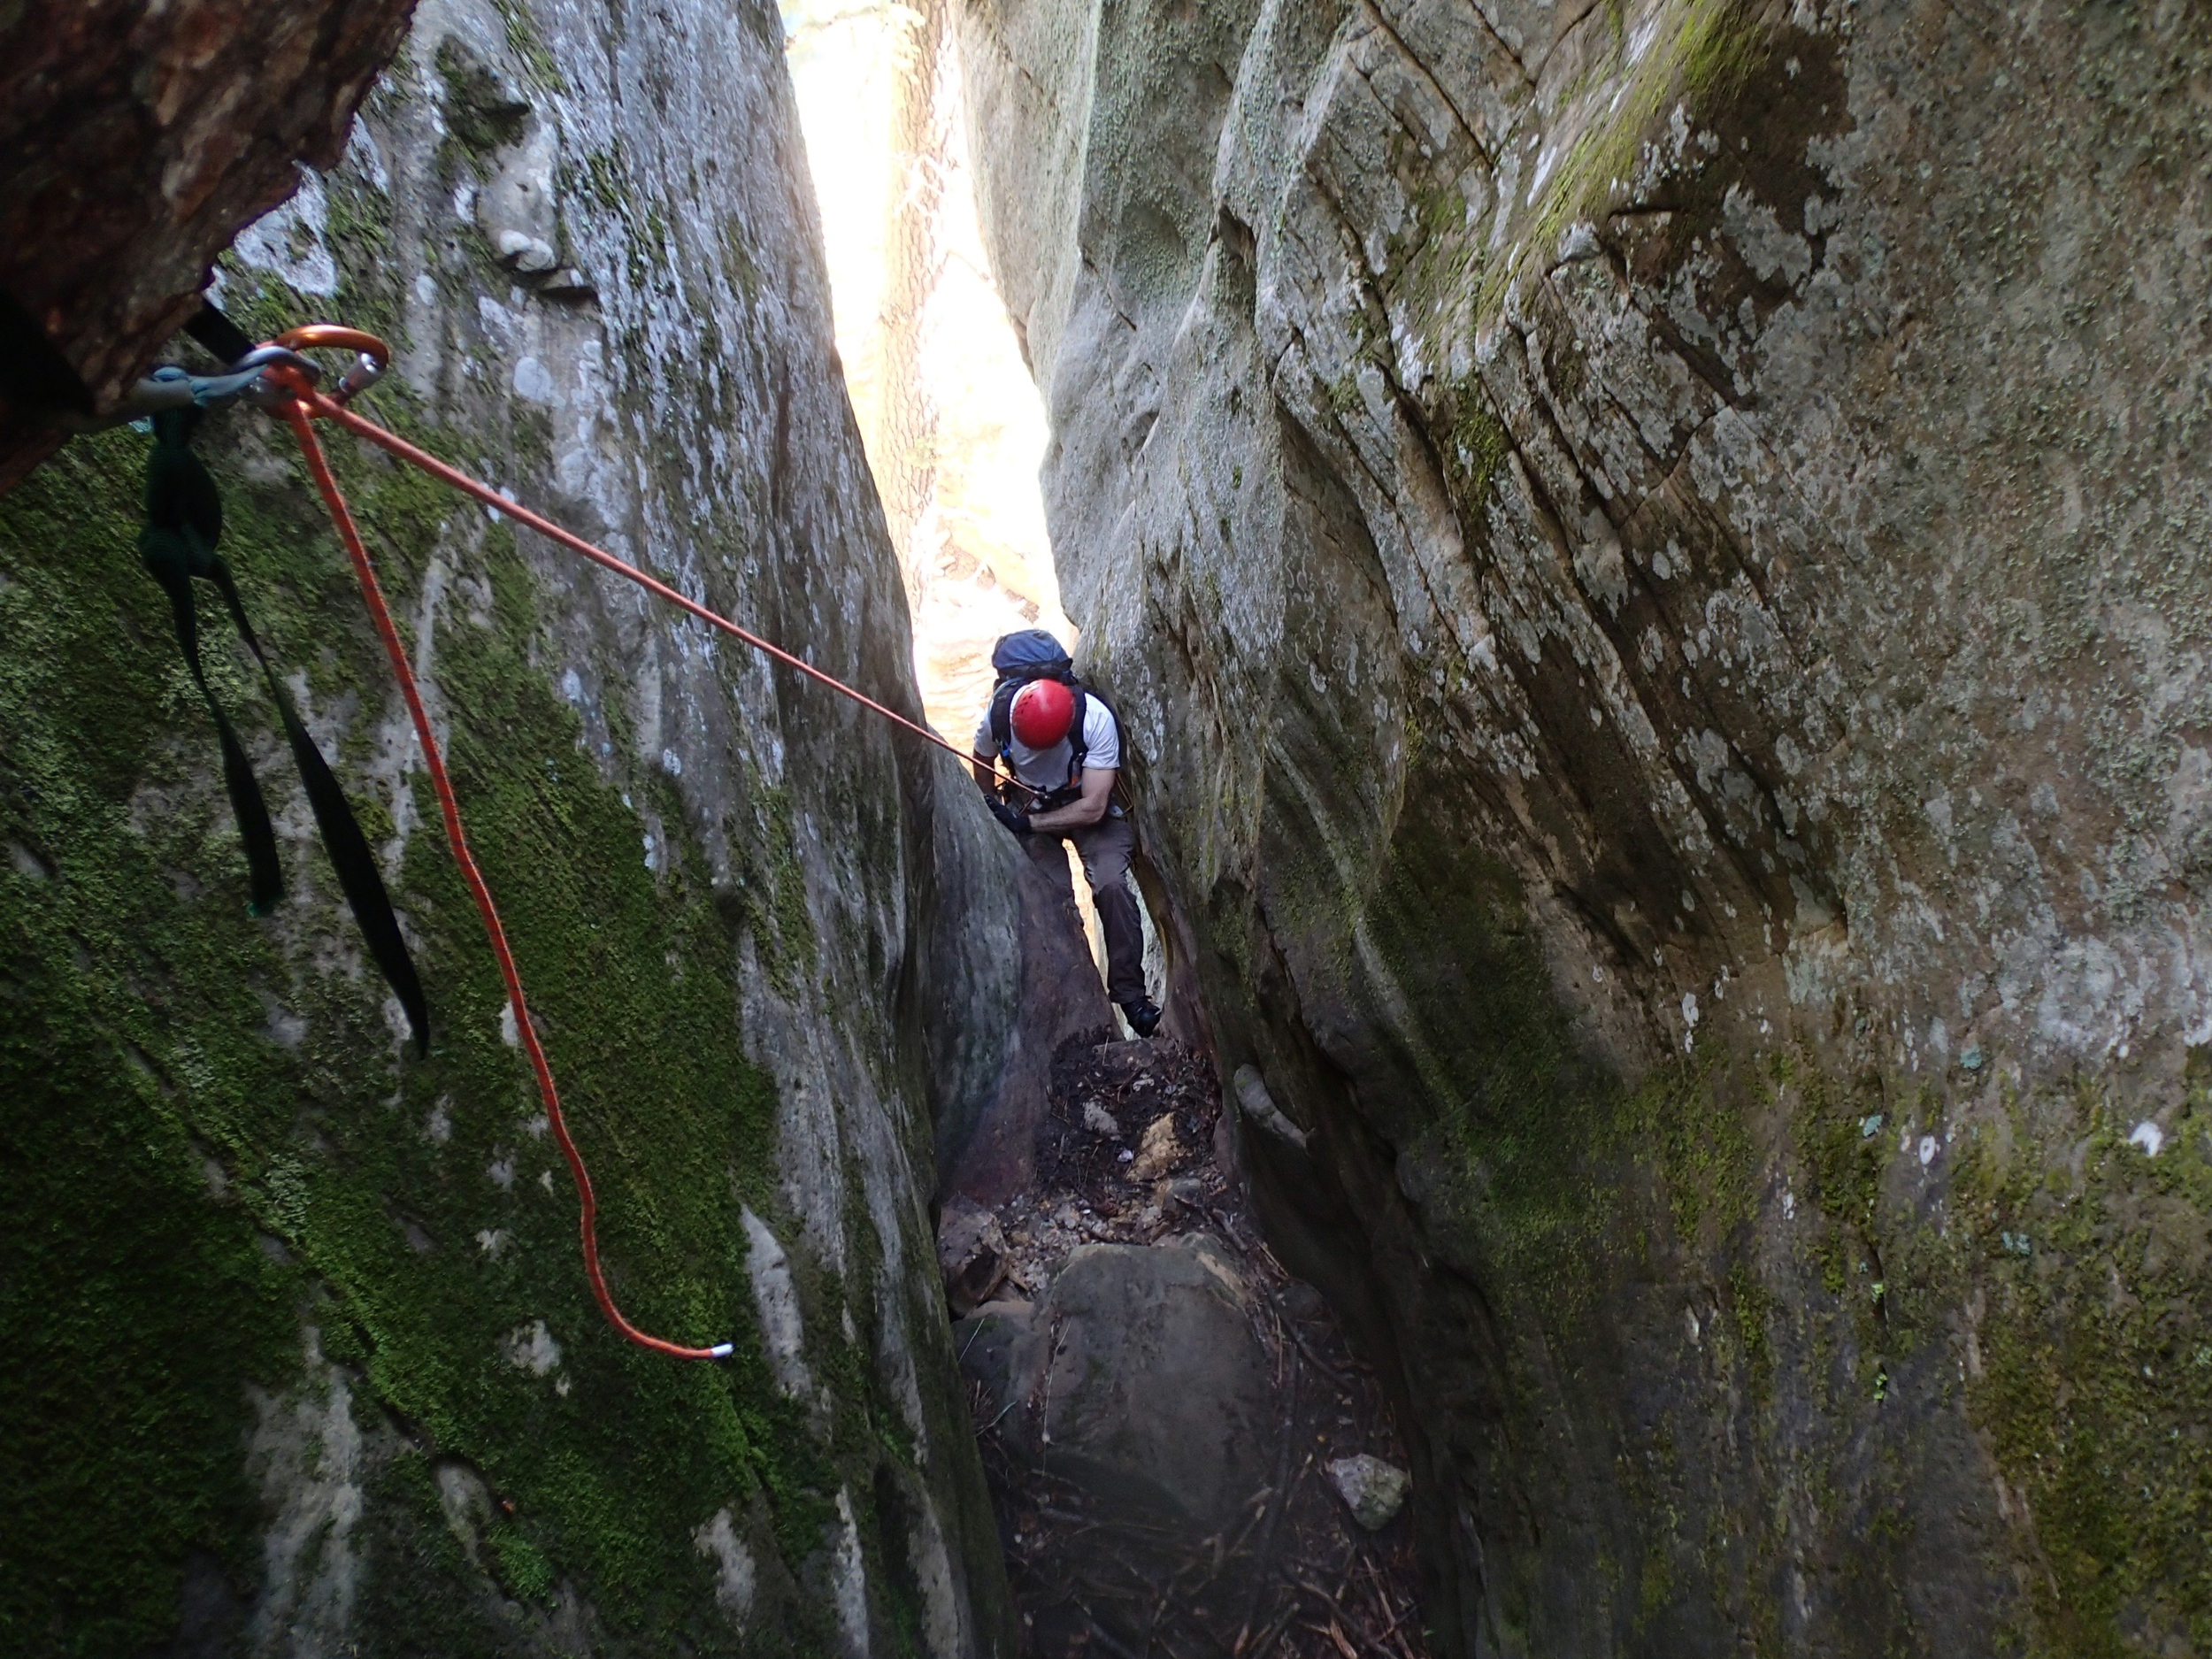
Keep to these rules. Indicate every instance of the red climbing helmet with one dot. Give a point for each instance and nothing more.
(1041, 713)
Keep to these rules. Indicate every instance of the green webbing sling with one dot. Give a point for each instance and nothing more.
(184, 521)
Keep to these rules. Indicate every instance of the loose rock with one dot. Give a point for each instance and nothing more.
(971, 1250)
(1374, 1490)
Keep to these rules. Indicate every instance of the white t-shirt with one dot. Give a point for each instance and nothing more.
(1048, 768)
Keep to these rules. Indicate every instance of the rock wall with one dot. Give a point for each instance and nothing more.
(1651, 553)
(303, 1362)
(953, 423)
(134, 140)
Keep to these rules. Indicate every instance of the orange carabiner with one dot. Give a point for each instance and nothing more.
(373, 356)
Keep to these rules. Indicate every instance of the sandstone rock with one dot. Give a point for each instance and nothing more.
(524, 253)
(515, 206)
(1215, 1256)
(987, 1341)
(721, 884)
(1006, 950)
(971, 1253)
(567, 283)
(1145, 1384)
(1259, 1106)
(1588, 517)
(135, 142)
(1374, 1490)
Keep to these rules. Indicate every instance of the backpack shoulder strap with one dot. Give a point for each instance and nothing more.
(1080, 748)
(1001, 715)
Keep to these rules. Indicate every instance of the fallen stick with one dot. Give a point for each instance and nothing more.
(1335, 1636)
(1273, 1632)
(1394, 1632)
(1258, 1506)
(1299, 1581)
(1344, 1385)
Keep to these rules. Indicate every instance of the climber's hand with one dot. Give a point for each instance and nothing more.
(1018, 822)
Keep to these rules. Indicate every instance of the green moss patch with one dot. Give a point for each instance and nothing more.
(215, 1137)
(2095, 1384)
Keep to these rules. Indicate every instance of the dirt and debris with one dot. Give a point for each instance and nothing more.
(1132, 1154)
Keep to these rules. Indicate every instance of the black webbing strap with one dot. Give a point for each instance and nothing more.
(219, 335)
(168, 559)
(184, 519)
(184, 516)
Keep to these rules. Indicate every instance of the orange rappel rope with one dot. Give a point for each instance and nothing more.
(372, 594)
(546, 527)
(298, 410)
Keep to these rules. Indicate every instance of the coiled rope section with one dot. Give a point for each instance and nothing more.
(298, 403)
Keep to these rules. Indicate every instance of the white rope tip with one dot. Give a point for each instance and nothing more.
(722, 1350)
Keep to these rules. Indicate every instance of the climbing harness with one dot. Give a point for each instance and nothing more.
(278, 377)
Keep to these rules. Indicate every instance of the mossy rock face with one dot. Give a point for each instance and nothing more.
(1668, 669)
(304, 1356)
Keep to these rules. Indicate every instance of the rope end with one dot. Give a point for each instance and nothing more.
(722, 1350)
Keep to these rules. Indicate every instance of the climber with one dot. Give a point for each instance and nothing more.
(1062, 741)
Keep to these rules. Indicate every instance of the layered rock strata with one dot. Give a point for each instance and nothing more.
(303, 1360)
(1651, 556)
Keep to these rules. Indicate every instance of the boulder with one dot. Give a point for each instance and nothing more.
(1140, 1378)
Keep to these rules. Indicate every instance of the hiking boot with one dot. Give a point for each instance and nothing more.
(1143, 1015)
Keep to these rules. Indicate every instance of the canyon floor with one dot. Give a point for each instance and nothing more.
(1108, 1550)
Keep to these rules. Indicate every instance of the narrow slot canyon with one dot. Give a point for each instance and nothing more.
(1173, 1430)
(1645, 566)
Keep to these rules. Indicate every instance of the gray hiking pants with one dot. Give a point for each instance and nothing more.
(1105, 848)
